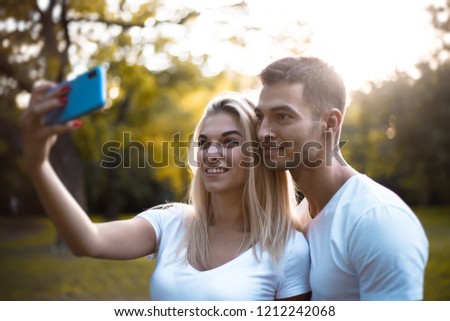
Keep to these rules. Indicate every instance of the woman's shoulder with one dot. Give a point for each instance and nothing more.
(169, 211)
(297, 243)
(173, 206)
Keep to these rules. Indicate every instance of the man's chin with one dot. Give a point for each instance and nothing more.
(276, 164)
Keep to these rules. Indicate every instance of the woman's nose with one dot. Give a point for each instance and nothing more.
(214, 151)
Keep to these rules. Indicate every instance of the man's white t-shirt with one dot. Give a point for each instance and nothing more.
(242, 279)
(366, 244)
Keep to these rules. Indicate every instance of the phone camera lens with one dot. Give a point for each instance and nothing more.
(92, 74)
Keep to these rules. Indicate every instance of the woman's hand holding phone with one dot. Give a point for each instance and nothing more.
(54, 109)
(87, 94)
(37, 138)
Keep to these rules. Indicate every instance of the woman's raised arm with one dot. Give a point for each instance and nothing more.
(125, 239)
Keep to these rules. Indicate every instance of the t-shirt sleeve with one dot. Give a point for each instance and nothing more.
(155, 216)
(161, 216)
(295, 264)
(389, 251)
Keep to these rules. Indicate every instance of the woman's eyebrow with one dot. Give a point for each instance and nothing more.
(227, 133)
(231, 132)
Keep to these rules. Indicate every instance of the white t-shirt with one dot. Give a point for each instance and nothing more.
(366, 244)
(242, 279)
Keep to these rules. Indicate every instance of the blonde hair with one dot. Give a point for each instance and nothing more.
(268, 198)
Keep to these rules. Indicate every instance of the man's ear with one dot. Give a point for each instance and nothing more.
(333, 120)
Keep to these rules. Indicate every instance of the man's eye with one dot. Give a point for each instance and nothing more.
(282, 116)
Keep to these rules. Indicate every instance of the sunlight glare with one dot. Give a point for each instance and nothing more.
(365, 40)
(369, 40)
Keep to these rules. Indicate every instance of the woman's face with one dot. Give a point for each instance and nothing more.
(220, 155)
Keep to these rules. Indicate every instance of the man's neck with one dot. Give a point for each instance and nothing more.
(320, 184)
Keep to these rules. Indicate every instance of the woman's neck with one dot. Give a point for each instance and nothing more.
(228, 211)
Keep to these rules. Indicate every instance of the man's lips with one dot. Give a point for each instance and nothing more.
(270, 148)
(268, 144)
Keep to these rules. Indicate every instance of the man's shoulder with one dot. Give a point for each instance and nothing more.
(364, 194)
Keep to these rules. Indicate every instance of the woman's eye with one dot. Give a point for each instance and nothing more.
(231, 143)
(204, 144)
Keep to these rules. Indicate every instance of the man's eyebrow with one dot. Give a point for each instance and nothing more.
(278, 108)
(283, 108)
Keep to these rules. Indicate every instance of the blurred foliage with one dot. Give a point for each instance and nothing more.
(398, 132)
(149, 108)
(131, 155)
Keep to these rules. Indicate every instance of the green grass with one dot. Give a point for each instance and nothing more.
(30, 269)
(436, 222)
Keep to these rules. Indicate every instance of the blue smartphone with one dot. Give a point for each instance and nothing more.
(87, 93)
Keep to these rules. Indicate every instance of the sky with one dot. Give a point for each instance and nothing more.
(365, 40)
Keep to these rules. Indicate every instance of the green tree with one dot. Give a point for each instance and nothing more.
(398, 134)
(56, 38)
(37, 40)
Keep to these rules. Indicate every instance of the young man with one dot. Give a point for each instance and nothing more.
(365, 242)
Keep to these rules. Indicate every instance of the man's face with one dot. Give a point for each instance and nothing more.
(290, 135)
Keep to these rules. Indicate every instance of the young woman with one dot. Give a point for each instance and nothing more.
(233, 240)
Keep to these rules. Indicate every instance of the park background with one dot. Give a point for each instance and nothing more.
(165, 60)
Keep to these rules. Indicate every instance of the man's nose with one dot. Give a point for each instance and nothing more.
(265, 131)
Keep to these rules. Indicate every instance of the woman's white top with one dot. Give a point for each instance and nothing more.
(245, 278)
